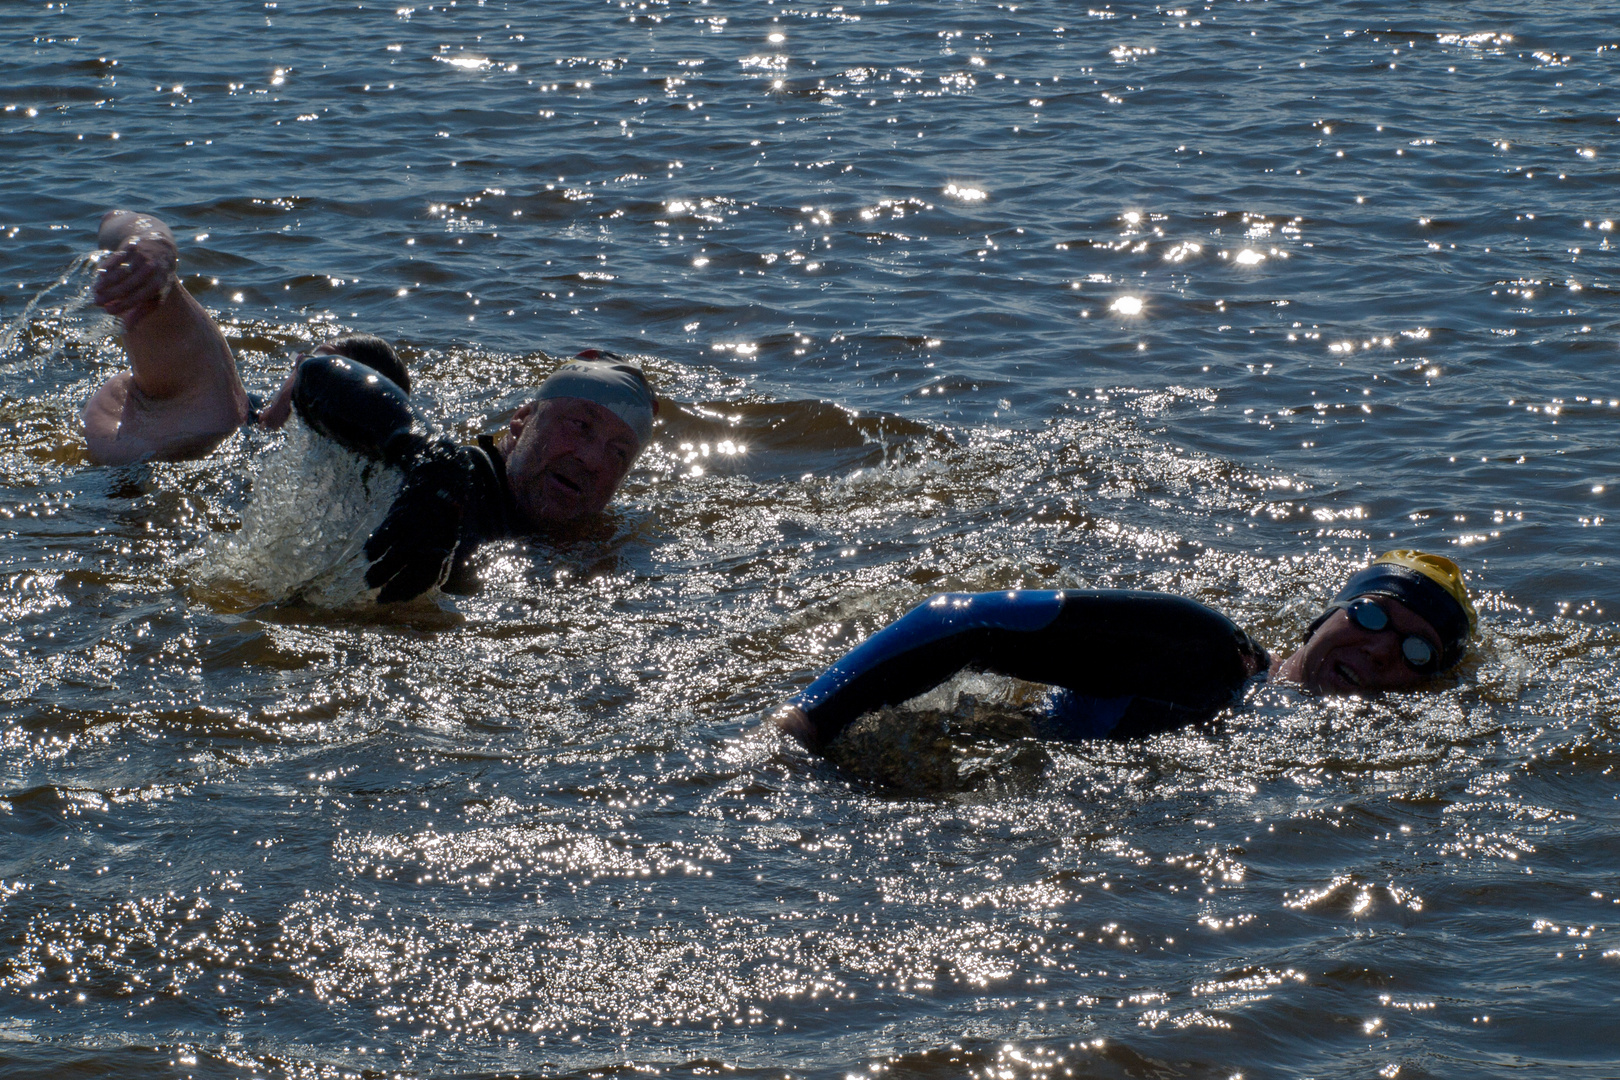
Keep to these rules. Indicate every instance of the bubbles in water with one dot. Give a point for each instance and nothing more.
(974, 733)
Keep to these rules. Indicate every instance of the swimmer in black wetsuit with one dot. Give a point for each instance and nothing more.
(1133, 663)
(561, 458)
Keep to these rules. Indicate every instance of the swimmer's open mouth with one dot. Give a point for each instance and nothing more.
(1347, 675)
(567, 483)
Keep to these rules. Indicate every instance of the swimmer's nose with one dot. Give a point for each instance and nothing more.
(1383, 650)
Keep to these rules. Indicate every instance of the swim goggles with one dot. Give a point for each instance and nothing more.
(1370, 615)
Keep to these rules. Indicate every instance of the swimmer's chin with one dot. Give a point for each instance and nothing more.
(1331, 678)
(559, 505)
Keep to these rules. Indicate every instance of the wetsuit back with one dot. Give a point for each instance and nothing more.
(453, 498)
(1129, 663)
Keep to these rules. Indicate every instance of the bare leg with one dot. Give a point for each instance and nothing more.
(181, 396)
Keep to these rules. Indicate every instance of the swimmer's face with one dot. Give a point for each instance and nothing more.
(567, 458)
(1343, 658)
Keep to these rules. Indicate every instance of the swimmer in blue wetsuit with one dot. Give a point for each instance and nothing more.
(561, 458)
(1130, 664)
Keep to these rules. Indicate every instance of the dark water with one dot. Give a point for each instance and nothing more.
(1220, 298)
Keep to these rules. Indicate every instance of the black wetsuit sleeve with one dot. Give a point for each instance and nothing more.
(453, 499)
(1165, 660)
(358, 409)
(492, 515)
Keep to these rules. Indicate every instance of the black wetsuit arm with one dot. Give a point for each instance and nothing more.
(453, 499)
(1152, 648)
(358, 409)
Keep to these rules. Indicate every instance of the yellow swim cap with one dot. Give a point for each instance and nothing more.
(1431, 585)
(1438, 569)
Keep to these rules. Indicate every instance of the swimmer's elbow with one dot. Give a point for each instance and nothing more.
(793, 721)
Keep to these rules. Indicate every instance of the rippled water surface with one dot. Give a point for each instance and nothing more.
(1220, 298)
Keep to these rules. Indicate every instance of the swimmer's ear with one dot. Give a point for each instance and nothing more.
(521, 418)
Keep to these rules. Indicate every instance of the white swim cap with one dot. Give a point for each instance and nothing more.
(617, 386)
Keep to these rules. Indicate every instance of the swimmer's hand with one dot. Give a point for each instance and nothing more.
(414, 549)
(139, 269)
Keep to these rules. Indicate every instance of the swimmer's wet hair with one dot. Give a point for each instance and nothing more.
(376, 354)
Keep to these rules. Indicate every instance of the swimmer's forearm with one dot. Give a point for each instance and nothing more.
(358, 409)
(792, 720)
(917, 652)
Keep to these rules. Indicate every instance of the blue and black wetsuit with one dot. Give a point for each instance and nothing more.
(453, 498)
(1127, 663)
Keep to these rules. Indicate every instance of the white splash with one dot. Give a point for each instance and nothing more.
(303, 531)
(82, 268)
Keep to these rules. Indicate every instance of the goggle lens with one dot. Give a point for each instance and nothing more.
(1371, 617)
(1418, 653)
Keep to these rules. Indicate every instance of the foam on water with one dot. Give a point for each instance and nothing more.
(305, 527)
